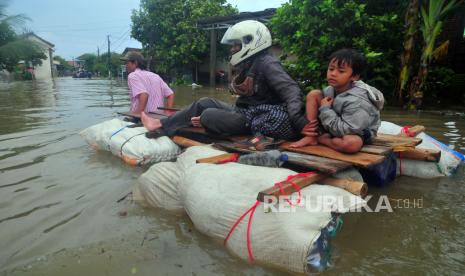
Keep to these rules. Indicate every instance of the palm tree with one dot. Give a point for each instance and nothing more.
(433, 14)
(11, 20)
(14, 48)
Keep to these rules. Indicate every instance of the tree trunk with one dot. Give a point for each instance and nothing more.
(416, 88)
(411, 23)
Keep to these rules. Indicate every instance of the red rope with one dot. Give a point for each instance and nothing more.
(252, 209)
(406, 130)
(234, 157)
(297, 188)
(400, 164)
(249, 248)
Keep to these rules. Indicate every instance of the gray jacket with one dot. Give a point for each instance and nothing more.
(354, 111)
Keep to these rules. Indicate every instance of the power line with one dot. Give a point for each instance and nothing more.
(122, 36)
(117, 47)
(87, 23)
(80, 30)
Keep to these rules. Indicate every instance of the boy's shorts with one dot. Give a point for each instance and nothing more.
(366, 136)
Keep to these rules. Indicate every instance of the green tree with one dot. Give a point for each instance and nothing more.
(101, 65)
(433, 13)
(313, 29)
(168, 31)
(14, 48)
(63, 67)
(89, 61)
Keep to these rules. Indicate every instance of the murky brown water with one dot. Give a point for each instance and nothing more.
(59, 213)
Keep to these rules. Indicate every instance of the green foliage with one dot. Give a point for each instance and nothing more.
(433, 13)
(99, 65)
(63, 63)
(438, 84)
(14, 48)
(313, 29)
(89, 61)
(168, 31)
(64, 68)
(20, 50)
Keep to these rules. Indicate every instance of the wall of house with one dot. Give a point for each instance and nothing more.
(43, 71)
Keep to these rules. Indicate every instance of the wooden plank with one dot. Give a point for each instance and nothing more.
(219, 159)
(429, 155)
(230, 147)
(379, 150)
(388, 140)
(137, 116)
(321, 164)
(287, 188)
(354, 187)
(360, 159)
(185, 142)
(413, 131)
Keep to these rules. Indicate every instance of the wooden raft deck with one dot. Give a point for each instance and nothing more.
(321, 159)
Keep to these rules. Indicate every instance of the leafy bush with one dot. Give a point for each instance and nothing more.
(313, 29)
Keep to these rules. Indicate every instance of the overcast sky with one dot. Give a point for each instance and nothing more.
(81, 26)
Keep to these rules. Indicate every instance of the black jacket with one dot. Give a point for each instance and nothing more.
(272, 85)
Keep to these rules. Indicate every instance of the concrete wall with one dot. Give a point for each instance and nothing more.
(43, 71)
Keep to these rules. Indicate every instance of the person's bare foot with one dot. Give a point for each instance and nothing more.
(150, 123)
(324, 139)
(196, 121)
(306, 141)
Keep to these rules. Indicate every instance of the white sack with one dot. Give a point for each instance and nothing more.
(449, 161)
(215, 196)
(158, 186)
(130, 143)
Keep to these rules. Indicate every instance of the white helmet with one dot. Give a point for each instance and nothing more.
(254, 37)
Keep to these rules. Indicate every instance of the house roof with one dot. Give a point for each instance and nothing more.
(27, 35)
(222, 22)
(128, 49)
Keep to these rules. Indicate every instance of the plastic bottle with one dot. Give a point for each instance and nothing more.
(271, 158)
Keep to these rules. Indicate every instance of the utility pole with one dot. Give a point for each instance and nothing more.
(108, 60)
(98, 52)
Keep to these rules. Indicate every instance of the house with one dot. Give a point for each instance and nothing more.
(218, 69)
(43, 71)
(128, 49)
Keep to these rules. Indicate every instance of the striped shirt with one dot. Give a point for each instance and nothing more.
(141, 81)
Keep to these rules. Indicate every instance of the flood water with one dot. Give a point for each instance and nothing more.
(60, 215)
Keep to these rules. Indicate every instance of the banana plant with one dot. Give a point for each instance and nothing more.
(433, 13)
(412, 22)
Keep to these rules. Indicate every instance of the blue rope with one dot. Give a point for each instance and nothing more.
(114, 133)
(118, 131)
